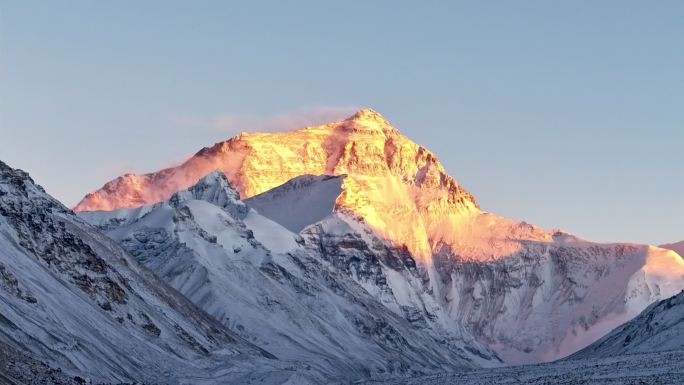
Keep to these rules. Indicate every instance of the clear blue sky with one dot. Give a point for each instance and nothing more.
(565, 114)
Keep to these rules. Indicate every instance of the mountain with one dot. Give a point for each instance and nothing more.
(397, 181)
(394, 221)
(259, 279)
(71, 298)
(677, 247)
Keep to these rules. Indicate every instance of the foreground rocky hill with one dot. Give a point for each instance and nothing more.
(73, 299)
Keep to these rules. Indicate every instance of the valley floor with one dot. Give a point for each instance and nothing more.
(642, 369)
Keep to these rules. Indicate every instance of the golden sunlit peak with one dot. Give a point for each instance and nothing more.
(369, 115)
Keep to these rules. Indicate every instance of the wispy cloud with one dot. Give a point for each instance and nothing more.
(234, 123)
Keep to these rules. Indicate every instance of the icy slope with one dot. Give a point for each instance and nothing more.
(292, 303)
(72, 298)
(299, 202)
(552, 295)
(659, 328)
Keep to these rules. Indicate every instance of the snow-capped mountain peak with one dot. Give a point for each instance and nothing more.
(215, 189)
(370, 119)
(399, 187)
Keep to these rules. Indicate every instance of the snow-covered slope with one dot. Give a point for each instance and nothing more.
(659, 328)
(299, 202)
(72, 298)
(277, 293)
(677, 247)
(531, 294)
(552, 298)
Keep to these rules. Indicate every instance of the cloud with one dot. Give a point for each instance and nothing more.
(115, 167)
(234, 123)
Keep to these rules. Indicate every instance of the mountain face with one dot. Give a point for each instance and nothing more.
(677, 247)
(73, 299)
(259, 279)
(659, 328)
(386, 214)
